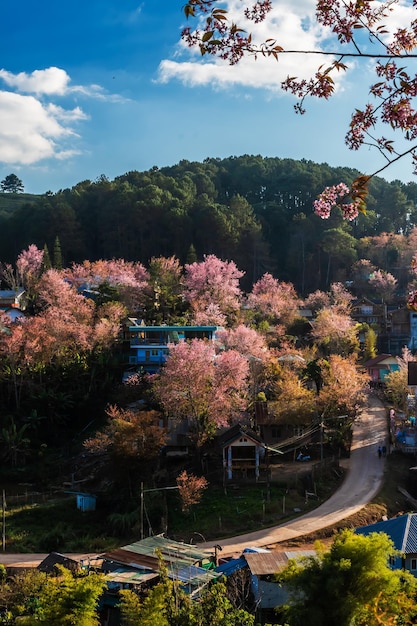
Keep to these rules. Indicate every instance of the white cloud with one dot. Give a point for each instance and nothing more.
(52, 81)
(33, 127)
(291, 24)
(66, 115)
(30, 131)
(294, 27)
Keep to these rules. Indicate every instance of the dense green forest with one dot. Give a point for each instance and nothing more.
(257, 211)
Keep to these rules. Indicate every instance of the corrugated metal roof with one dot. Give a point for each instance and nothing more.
(266, 563)
(297, 554)
(263, 563)
(144, 553)
(193, 575)
(402, 530)
(49, 564)
(122, 575)
(237, 431)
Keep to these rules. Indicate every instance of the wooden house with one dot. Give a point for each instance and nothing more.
(243, 453)
(184, 562)
(279, 432)
(12, 299)
(267, 593)
(380, 366)
(401, 330)
(365, 311)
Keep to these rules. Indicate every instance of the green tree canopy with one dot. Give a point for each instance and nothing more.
(11, 184)
(350, 584)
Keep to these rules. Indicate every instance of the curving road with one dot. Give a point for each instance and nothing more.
(362, 481)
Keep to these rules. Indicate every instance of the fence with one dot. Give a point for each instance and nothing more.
(32, 497)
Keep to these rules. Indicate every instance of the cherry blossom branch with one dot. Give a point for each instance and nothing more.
(395, 87)
(391, 161)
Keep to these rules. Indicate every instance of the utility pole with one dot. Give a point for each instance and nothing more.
(141, 510)
(4, 520)
(321, 440)
(142, 503)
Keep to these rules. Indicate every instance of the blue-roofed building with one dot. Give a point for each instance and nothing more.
(13, 303)
(149, 345)
(402, 531)
(230, 567)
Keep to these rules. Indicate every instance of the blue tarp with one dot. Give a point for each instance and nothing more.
(232, 566)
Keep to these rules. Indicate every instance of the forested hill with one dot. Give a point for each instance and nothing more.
(254, 210)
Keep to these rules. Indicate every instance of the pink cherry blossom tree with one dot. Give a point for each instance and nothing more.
(73, 319)
(28, 269)
(335, 331)
(274, 300)
(191, 489)
(245, 340)
(317, 300)
(128, 278)
(337, 296)
(213, 282)
(29, 264)
(203, 388)
(67, 330)
(383, 284)
(211, 315)
(56, 293)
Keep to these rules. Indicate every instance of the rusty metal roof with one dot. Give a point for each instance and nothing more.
(266, 563)
(144, 553)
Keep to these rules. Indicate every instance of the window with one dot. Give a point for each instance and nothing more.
(244, 453)
(413, 564)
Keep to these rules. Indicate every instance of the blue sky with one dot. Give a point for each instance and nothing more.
(104, 87)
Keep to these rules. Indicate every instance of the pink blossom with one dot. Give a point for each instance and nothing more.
(330, 197)
(213, 282)
(272, 298)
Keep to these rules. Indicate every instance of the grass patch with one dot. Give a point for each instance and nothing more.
(248, 508)
(58, 525)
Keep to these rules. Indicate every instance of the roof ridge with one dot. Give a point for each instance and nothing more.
(405, 535)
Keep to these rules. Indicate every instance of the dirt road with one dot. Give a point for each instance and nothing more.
(363, 480)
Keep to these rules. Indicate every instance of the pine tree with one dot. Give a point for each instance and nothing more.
(11, 184)
(57, 254)
(46, 261)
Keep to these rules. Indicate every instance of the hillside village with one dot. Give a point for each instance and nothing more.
(154, 403)
(170, 377)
